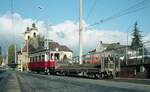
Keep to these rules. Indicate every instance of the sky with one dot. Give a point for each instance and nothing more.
(63, 16)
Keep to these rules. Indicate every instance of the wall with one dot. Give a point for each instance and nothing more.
(68, 54)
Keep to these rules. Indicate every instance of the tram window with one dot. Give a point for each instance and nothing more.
(33, 59)
(48, 56)
(43, 57)
(51, 56)
(36, 59)
(40, 58)
(56, 56)
(30, 59)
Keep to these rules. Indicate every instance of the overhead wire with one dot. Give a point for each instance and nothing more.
(91, 10)
(132, 7)
(137, 7)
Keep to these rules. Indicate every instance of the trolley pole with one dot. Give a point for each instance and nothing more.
(80, 31)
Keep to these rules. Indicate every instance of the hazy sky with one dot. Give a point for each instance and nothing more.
(64, 16)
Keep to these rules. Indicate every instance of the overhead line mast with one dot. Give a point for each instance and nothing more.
(80, 30)
(12, 19)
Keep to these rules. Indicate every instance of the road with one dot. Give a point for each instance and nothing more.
(12, 81)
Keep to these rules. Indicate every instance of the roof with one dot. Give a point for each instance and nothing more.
(94, 50)
(54, 45)
(113, 46)
(64, 48)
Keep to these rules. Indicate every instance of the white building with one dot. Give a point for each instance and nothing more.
(23, 58)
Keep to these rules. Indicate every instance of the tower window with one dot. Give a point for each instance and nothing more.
(28, 37)
(34, 34)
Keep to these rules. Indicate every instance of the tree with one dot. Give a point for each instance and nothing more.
(11, 54)
(136, 43)
(65, 57)
(137, 38)
(1, 59)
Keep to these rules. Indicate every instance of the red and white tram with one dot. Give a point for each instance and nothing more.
(43, 61)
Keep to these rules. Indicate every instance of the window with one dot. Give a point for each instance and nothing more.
(48, 56)
(33, 59)
(56, 56)
(36, 58)
(51, 57)
(34, 34)
(39, 57)
(43, 57)
(28, 37)
(30, 59)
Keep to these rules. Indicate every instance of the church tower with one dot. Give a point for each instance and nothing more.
(30, 33)
(27, 35)
(34, 31)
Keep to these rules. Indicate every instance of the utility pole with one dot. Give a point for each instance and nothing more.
(27, 54)
(80, 31)
(12, 12)
(127, 50)
(7, 57)
(143, 53)
(46, 47)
